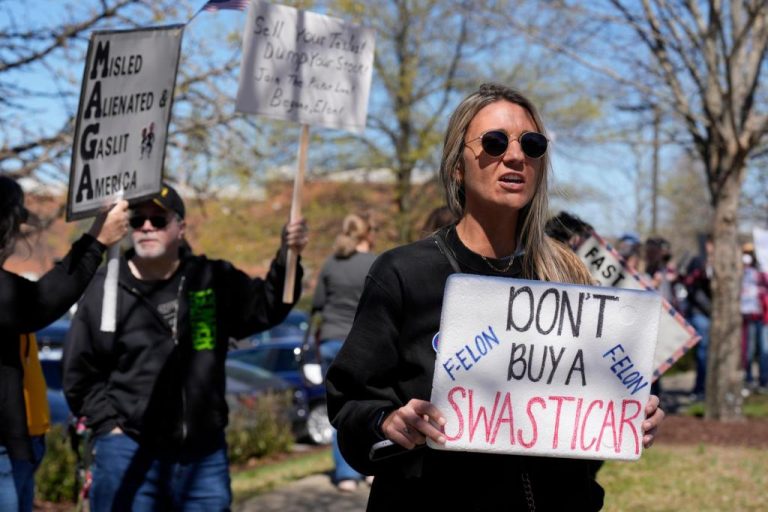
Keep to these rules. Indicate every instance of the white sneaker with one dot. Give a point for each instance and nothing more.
(347, 486)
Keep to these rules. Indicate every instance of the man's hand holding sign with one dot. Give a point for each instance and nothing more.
(308, 68)
(126, 95)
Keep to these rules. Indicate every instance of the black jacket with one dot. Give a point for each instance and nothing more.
(166, 389)
(25, 307)
(388, 359)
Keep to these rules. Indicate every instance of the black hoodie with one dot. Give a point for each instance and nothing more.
(164, 385)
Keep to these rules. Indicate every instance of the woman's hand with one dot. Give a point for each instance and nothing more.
(295, 235)
(653, 418)
(413, 423)
(111, 224)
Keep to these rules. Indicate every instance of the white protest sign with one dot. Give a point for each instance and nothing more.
(305, 67)
(122, 121)
(676, 335)
(760, 237)
(538, 368)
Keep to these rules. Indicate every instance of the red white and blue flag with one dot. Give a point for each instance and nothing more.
(215, 5)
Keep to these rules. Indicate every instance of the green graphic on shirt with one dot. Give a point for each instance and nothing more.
(202, 313)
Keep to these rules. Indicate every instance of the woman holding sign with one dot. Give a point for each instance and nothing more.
(26, 307)
(494, 173)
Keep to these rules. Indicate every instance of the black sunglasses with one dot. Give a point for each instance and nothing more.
(496, 142)
(157, 221)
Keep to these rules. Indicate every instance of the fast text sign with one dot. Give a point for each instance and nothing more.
(676, 335)
(538, 368)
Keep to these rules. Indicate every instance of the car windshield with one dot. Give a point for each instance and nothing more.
(247, 373)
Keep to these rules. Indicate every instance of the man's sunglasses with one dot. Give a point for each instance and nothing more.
(157, 221)
(496, 142)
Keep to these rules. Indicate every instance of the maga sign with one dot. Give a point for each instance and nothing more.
(305, 67)
(122, 121)
(537, 368)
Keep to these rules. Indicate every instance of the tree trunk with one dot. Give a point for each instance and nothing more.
(724, 373)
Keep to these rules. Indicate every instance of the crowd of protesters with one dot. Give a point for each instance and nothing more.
(152, 392)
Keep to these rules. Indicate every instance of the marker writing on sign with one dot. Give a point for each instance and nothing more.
(633, 380)
(560, 313)
(467, 356)
(591, 425)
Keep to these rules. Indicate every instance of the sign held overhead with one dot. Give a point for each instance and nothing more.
(122, 120)
(305, 67)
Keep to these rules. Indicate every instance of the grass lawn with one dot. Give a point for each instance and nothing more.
(250, 482)
(682, 478)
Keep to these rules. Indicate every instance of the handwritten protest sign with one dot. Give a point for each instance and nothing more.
(122, 120)
(676, 335)
(305, 67)
(537, 368)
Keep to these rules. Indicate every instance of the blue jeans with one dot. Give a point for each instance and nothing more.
(342, 470)
(328, 350)
(24, 474)
(700, 322)
(127, 477)
(757, 338)
(8, 499)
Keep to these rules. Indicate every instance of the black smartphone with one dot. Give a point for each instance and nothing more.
(385, 449)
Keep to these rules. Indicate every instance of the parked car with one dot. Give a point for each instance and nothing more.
(294, 326)
(284, 357)
(245, 383)
(50, 343)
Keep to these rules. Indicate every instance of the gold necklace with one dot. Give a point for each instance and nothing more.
(499, 270)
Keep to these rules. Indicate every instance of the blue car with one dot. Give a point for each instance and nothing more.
(50, 343)
(283, 356)
(243, 383)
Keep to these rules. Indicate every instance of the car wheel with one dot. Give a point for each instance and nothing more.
(319, 429)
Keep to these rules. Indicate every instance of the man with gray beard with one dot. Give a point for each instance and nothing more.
(153, 391)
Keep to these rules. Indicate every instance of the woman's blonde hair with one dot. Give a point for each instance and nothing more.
(354, 230)
(544, 258)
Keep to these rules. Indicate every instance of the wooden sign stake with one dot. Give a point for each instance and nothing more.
(298, 184)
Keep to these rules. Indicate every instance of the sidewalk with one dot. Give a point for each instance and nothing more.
(314, 493)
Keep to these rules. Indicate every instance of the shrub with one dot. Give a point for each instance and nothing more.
(260, 427)
(55, 478)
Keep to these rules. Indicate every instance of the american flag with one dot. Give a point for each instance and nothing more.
(215, 5)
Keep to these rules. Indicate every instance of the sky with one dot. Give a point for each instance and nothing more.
(607, 169)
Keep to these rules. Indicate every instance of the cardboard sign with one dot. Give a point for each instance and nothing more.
(122, 120)
(305, 67)
(676, 335)
(538, 368)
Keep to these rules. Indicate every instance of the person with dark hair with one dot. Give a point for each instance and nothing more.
(338, 290)
(568, 229)
(437, 218)
(494, 172)
(628, 246)
(153, 391)
(659, 267)
(697, 281)
(25, 307)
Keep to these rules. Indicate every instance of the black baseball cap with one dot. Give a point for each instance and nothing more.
(170, 200)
